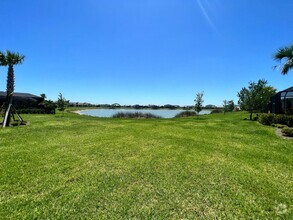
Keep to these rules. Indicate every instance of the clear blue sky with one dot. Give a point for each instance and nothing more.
(145, 51)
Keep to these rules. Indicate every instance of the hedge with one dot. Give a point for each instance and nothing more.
(270, 119)
(36, 111)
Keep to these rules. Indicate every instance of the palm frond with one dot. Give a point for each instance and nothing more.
(285, 52)
(287, 66)
(13, 58)
(2, 59)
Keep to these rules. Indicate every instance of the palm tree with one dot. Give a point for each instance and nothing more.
(285, 53)
(2, 59)
(10, 59)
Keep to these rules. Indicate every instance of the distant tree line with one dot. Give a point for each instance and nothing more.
(137, 106)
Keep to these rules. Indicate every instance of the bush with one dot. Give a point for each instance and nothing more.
(255, 118)
(280, 119)
(185, 114)
(284, 120)
(266, 119)
(215, 111)
(35, 111)
(269, 119)
(134, 115)
(288, 131)
(288, 119)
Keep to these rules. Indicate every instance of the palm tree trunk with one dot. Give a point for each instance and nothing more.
(9, 92)
(10, 80)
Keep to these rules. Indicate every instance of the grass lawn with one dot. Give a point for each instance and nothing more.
(80, 167)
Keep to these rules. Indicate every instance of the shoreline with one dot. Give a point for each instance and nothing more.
(152, 111)
(79, 111)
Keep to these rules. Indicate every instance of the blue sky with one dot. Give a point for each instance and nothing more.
(145, 51)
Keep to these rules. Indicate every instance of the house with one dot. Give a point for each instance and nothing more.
(22, 100)
(282, 102)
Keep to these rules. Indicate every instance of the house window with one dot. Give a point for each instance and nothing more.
(289, 103)
(283, 101)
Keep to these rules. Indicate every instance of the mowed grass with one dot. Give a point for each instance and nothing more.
(79, 167)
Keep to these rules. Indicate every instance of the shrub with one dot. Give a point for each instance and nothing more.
(284, 120)
(134, 115)
(288, 131)
(215, 111)
(36, 111)
(269, 119)
(255, 118)
(290, 121)
(185, 114)
(266, 119)
(280, 119)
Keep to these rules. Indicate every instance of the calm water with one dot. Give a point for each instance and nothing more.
(107, 113)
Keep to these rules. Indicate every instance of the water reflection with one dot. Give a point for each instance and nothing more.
(164, 113)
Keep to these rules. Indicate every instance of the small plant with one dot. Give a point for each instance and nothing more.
(225, 106)
(61, 103)
(185, 114)
(288, 131)
(198, 102)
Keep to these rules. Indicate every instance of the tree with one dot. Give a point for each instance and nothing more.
(43, 95)
(287, 54)
(225, 106)
(10, 59)
(256, 97)
(61, 103)
(231, 106)
(198, 102)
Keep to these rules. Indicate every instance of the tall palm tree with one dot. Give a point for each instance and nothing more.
(285, 53)
(10, 59)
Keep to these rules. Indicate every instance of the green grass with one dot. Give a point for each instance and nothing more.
(79, 167)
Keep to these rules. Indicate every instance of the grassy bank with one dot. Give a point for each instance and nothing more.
(76, 167)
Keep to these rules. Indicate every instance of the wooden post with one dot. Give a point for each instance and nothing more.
(6, 115)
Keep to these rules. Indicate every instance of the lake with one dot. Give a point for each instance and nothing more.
(107, 113)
